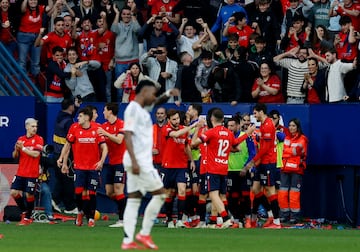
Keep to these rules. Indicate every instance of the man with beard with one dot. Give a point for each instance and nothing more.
(295, 60)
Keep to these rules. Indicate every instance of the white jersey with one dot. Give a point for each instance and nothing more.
(137, 120)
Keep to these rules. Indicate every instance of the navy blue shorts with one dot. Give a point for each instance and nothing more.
(194, 176)
(266, 174)
(172, 176)
(203, 182)
(217, 182)
(89, 180)
(24, 184)
(115, 174)
(277, 178)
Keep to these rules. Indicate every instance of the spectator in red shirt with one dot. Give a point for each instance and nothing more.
(9, 25)
(31, 21)
(240, 28)
(56, 38)
(106, 51)
(267, 88)
(314, 83)
(27, 149)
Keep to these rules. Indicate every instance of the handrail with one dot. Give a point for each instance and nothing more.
(14, 81)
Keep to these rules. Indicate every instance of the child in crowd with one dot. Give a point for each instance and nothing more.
(202, 75)
(240, 28)
(186, 40)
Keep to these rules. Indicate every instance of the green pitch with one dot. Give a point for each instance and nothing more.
(65, 237)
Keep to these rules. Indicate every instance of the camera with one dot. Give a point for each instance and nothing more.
(157, 52)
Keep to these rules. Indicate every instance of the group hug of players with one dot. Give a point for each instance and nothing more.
(234, 165)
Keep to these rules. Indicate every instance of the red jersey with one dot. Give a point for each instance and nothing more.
(219, 141)
(115, 151)
(106, 53)
(158, 143)
(355, 21)
(5, 34)
(267, 150)
(87, 45)
(264, 96)
(31, 20)
(344, 49)
(52, 39)
(160, 7)
(243, 34)
(203, 152)
(312, 95)
(174, 149)
(29, 166)
(85, 145)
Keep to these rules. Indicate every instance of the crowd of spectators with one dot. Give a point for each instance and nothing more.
(232, 51)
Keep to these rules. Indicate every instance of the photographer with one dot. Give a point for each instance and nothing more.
(161, 68)
(63, 191)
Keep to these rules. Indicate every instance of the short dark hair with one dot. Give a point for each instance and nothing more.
(87, 111)
(206, 55)
(66, 103)
(298, 124)
(239, 16)
(197, 107)
(113, 107)
(260, 107)
(57, 19)
(274, 112)
(57, 49)
(331, 50)
(344, 20)
(172, 112)
(72, 48)
(218, 114)
(86, 17)
(260, 39)
(142, 84)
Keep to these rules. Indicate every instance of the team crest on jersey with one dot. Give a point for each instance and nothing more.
(33, 141)
(93, 133)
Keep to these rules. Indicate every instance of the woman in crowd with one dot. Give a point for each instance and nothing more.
(87, 8)
(267, 88)
(128, 81)
(314, 83)
(294, 164)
